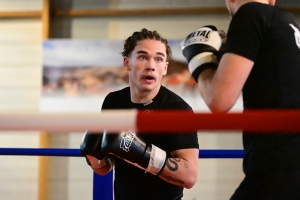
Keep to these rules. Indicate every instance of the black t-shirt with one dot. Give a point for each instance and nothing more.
(270, 37)
(131, 182)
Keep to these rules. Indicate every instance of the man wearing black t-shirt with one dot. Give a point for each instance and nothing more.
(147, 166)
(261, 59)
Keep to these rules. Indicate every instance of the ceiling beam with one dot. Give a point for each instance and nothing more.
(136, 12)
(124, 13)
(20, 14)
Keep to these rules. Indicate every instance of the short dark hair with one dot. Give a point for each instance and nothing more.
(131, 41)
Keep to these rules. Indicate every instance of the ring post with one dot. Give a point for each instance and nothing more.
(103, 186)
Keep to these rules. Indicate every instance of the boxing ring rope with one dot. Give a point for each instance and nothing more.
(211, 153)
(158, 121)
(263, 121)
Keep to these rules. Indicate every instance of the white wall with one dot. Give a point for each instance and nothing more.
(20, 50)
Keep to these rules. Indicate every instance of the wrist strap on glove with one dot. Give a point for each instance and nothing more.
(205, 60)
(157, 160)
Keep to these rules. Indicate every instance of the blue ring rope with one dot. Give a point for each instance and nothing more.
(40, 152)
(212, 153)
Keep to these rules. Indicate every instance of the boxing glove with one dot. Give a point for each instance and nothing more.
(201, 48)
(128, 146)
(91, 145)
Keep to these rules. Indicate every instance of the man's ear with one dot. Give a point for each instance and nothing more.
(166, 68)
(126, 63)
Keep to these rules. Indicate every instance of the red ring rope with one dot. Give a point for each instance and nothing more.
(254, 120)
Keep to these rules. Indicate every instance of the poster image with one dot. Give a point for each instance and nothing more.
(75, 72)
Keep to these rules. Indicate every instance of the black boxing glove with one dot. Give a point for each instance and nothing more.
(91, 145)
(128, 146)
(201, 49)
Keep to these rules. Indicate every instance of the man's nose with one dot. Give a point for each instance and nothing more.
(150, 65)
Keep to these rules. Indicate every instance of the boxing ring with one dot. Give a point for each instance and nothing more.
(263, 121)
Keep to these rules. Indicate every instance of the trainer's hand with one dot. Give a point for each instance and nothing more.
(223, 35)
(201, 49)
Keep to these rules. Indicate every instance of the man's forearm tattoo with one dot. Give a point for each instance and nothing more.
(186, 164)
(169, 178)
(172, 163)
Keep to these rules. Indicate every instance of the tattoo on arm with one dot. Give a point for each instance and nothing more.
(172, 164)
(186, 164)
(172, 179)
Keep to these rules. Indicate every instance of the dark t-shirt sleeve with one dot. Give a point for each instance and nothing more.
(246, 31)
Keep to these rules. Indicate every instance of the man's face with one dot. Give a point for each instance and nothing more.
(146, 65)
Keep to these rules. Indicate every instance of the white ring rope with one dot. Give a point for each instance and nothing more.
(115, 120)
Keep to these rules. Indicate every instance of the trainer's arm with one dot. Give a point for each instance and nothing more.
(182, 168)
(221, 88)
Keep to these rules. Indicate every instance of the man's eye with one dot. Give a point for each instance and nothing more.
(143, 58)
(159, 59)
